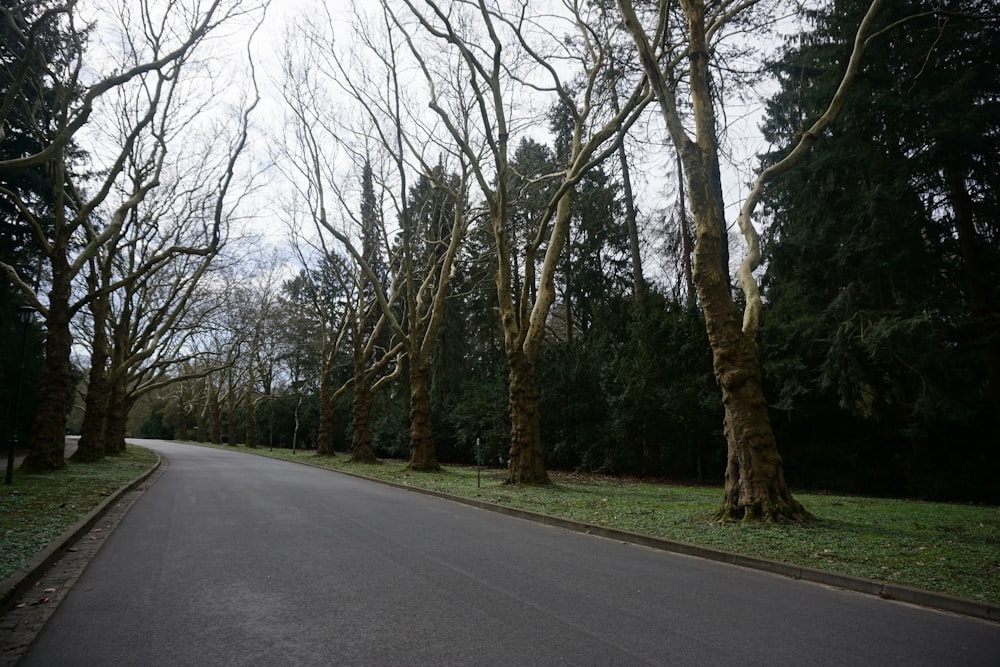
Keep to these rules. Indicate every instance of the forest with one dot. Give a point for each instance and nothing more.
(513, 235)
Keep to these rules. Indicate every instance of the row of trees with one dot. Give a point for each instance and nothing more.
(109, 226)
(472, 255)
(621, 379)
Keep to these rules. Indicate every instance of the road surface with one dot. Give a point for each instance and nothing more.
(233, 559)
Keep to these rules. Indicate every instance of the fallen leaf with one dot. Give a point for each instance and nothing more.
(49, 590)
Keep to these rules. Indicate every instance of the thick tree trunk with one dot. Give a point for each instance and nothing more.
(55, 386)
(362, 447)
(422, 450)
(755, 483)
(117, 417)
(91, 445)
(324, 439)
(526, 462)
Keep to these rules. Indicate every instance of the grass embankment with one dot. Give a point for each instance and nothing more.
(942, 547)
(37, 509)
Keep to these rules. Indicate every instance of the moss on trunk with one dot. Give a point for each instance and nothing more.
(423, 455)
(527, 464)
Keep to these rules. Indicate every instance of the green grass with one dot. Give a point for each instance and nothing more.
(946, 548)
(37, 509)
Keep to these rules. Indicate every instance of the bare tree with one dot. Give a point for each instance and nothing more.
(503, 58)
(143, 281)
(677, 58)
(431, 212)
(137, 91)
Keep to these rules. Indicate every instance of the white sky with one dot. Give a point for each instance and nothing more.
(743, 136)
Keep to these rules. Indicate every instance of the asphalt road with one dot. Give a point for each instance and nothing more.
(232, 559)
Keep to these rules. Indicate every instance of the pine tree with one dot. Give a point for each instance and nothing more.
(883, 250)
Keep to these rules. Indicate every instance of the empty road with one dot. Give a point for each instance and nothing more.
(232, 559)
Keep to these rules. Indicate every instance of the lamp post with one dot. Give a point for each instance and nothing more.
(25, 314)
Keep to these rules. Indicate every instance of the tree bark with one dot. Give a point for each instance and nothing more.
(117, 417)
(90, 448)
(324, 439)
(422, 448)
(526, 463)
(755, 483)
(362, 446)
(48, 434)
(91, 445)
(686, 237)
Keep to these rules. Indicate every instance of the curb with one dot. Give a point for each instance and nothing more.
(16, 584)
(882, 589)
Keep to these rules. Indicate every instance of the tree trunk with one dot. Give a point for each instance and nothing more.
(231, 417)
(978, 286)
(755, 482)
(91, 445)
(324, 439)
(686, 236)
(55, 386)
(526, 463)
(200, 427)
(362, 447)
(117, 417)
(422, 449)
(631, 221)
(249, 403)
(181, 427)
(215, 412)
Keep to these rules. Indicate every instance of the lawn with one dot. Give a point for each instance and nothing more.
(36, 509)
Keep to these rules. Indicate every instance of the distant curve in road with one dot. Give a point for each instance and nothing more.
(234, 559)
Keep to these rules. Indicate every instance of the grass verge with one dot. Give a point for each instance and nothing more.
(37, 509)
(942, 547)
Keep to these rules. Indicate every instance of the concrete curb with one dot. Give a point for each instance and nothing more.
(15, 585)
(884, 590)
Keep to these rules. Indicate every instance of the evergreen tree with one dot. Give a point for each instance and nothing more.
(883, 253)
